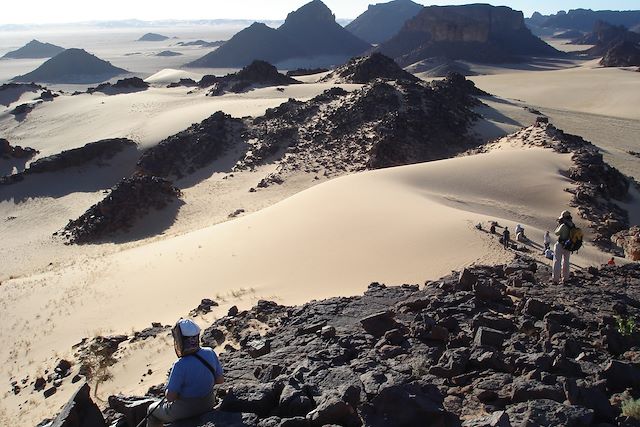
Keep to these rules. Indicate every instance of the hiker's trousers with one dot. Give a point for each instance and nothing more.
(560, 263)
(177, 410)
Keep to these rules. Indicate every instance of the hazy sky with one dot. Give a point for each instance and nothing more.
(57, 11)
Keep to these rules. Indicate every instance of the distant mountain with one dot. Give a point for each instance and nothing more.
(168, 53)
(618, 46)
(35, 49)
(152, 37)
(382, 21)
(202, 43)
(309, 32)
(585, 19)
(72, 66)
(477, 32)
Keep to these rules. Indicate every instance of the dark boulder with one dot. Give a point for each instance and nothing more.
(80, 411)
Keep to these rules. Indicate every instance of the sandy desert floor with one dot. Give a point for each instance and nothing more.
(303, 240)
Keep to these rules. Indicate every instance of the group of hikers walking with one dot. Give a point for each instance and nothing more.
(569, 239)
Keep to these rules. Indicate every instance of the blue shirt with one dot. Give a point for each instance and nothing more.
(190, 378)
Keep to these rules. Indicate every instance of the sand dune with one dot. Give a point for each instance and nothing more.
(333, 239)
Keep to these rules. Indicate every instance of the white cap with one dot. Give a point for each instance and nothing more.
(188, 328)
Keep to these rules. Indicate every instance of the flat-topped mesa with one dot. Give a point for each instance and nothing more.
(368, 68)
(478, 32)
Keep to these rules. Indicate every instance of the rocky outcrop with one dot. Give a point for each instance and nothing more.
(381, 125)
(598, 185)
(168, 53)
(34, 49)
(618, 46)
(11, 92)
(127, 201)
(256, 74)
(366, 69)
(128, 85)
(493, 345)
(188, 82)
(152, 37)
(80, 411)
(98, 151)
(382, 21)
(72, 66)
(194, 148)
(15, 152)
(622, 54)
(629, 241)
(308, 35)
(478, 32)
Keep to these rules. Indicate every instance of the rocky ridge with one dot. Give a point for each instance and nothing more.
(486, 346)
(598, 185)
(131, 84)
(256, 74)
(194, 148)
(618, 46)
(382, 21)
(127, 201)
(7, 151)
(362, 70)
(98, 151)
(384, 124)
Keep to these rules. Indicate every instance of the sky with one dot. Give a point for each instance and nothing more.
(62, 11)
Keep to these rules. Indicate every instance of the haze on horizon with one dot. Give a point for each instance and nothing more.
(69, 11)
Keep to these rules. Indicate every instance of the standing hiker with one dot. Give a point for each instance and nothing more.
(506, 235)
(563, 247)
(190, 386)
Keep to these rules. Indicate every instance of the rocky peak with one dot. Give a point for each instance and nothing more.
(313, 13)
(368, 68)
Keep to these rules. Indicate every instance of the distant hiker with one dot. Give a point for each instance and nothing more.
(492, 229)
(546, 240)
(479, 226)
(569, 240)
(612, 261)
(190, 387)
(506, 236)
(519, 229)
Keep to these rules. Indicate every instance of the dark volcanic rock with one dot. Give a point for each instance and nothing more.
(618, 46)
(15, 152)
(128, 85)
(72, 66)
(308, 35)
(193, 148)
(478, 32)
(382, 21)
(98, 151)
(11, 92)
(80, 411)
(130, 199)
(35, 49)
(258, 73)
(347, 379)
(368, 68)
(183, 82)
(381, 125)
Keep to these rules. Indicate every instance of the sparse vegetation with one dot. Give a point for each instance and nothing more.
(626, 325)
(631, 408)
(96, 366)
